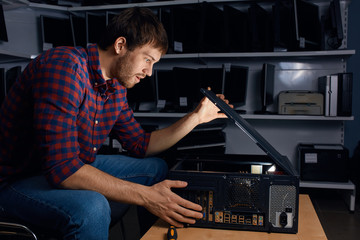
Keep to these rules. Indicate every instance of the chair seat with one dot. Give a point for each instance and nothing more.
(11, 229)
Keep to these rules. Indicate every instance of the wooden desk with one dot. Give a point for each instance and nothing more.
(309, 229)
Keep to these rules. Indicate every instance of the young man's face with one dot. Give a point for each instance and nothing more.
(133, 66)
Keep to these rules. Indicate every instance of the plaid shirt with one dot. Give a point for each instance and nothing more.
(58, 114)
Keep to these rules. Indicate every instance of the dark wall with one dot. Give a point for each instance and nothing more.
(352, 128)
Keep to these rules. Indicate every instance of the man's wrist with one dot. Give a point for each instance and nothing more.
(194, 118)
(144, 194)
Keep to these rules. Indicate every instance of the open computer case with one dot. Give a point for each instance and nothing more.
(244, 192)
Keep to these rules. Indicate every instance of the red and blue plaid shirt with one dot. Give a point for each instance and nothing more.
(58, 114)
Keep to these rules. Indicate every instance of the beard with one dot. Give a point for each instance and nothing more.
(122, 70)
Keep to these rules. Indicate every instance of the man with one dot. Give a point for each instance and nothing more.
(58, 114)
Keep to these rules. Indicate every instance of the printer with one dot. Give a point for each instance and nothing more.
(301, 103)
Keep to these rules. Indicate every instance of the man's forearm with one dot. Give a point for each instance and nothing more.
(158, 199)
(90, 178)
(165, 138)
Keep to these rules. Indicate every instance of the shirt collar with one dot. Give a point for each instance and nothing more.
(105, 87)
(94, 65)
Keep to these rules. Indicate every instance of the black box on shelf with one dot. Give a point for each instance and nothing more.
(323, 162)
(337, 89)
(345, 88)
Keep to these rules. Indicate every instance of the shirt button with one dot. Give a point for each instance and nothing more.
(94, 149)
(96, 122)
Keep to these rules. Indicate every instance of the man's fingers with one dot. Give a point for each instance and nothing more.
(185, 207)
(189, 205)
(183, 203)
(179, 201)
(177, 209)
(221, 96)
(175, 183)
(182, 216)
(172, 222)
(178, 215)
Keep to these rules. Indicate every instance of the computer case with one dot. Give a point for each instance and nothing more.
(243, 192)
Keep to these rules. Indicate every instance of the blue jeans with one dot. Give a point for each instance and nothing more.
(76, 214)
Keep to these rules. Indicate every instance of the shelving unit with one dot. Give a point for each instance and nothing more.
(294, 70)
(284, 132)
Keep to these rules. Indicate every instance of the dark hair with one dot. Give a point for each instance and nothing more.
(139, 26)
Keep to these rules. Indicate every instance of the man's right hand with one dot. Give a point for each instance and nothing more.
(167, 205)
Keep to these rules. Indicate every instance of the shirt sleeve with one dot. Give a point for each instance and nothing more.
(57, 97)
(130, 134)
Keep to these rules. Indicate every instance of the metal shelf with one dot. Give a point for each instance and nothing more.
(297, 117)
(297, 54)
(310, 54)
(313, 54)
(349, 186)
(140, 4)
(113, 6)
(250, 116)
(159, 115)
(7, 56)
(48, 6)
(328, 185)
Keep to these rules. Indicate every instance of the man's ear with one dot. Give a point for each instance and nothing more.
(119, 44)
